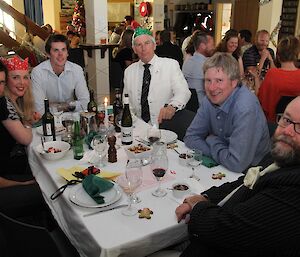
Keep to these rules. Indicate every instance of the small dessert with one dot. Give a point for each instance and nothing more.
(218, 175)
(138, 148)
(145, 213)
(184, 156)
(180, 187)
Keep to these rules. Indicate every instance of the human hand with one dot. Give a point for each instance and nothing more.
(166, 113)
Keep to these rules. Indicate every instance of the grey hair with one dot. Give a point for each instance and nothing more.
(226, 62)
(151, 37)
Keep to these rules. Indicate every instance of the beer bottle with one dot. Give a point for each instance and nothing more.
(48, 123)
(77, 141)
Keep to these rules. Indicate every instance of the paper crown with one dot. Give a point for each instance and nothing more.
(139, 31)
(15, 63)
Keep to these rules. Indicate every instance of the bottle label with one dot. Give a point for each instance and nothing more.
(48, 129)
(126, 134)
(94, 109)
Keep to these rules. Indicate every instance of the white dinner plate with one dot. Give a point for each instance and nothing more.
(81, 198)
(58, 130)
(167, 136)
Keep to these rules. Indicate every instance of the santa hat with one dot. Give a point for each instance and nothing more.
(15, 63)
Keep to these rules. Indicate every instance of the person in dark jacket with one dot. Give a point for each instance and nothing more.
(168, 49)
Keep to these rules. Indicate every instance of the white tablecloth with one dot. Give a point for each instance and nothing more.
(111, 234)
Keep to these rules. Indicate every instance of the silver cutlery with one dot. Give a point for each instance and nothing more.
(104, 210)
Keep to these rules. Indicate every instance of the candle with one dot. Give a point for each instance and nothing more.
(106, 114)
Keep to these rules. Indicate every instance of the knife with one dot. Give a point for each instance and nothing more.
(106, 209)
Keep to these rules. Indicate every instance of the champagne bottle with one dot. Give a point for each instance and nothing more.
(77, 142)
(92, 105)
(126, 123)
(48, 123)
(117, 109)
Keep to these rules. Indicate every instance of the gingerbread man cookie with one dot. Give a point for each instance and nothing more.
(145, 213)
(218, 175)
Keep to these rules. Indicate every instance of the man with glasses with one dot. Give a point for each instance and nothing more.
(156, 85)
(257, 215)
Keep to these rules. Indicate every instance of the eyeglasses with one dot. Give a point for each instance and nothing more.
(283, 122)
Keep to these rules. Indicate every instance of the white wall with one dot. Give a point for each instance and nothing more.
(51, 10)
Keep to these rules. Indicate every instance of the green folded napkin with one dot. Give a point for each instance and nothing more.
(208, 162)
(95, 185)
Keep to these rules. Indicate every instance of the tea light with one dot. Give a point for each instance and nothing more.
(106, 114)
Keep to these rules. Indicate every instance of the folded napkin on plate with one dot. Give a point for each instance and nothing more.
(94, 186)
(208, 162)
(66, 173)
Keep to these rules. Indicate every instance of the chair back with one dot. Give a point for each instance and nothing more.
(27, 240)
(193, 103)
(179, 123)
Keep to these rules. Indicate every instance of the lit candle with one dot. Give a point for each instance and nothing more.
(106, 113)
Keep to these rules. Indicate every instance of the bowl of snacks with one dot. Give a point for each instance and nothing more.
(138, 151)
(184, 158)
(53, 150)
(180, 189)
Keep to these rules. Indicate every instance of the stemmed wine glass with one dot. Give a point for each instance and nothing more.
(99, 144)
(153, 134)
(159, 167)
(136, 164)
(57, 112)
(129, 182)
(194, 160)
(67, 122)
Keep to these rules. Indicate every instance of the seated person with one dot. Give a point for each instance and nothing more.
(283, 81)
(230, 126)
(156, 85)
(257, 215)
(20, 195)
(58, 79)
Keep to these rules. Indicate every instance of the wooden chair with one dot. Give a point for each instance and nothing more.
(179, 123)
(26, 240)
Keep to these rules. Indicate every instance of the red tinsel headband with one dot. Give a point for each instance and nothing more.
(15, 63)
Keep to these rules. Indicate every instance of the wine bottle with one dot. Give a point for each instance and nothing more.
(126, 123)
(77, 142)
(117, 109)
(92, 105)
(48, 123)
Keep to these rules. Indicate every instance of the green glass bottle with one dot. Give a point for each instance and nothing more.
(117, 109)
(77, 142)
(92, 105)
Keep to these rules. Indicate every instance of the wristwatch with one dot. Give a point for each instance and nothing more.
(175, 107)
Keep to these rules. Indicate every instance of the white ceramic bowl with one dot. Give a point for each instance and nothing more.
(183, 159)
(138, 151)
(180, 189)
(58, 145)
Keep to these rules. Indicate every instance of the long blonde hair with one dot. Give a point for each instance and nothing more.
(24, 105)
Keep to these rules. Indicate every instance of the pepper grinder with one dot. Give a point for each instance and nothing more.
(112, 151)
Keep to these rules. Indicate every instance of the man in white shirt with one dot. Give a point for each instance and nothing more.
(57, 79)
(156, 86)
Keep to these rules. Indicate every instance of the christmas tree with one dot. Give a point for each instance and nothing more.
(78, 19)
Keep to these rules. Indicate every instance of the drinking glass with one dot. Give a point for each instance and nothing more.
(194, 161)
(159, 167)
(67, 122)
(57, 113)
(153, 134)
(129, 182)
(99, 144)
(136, 164)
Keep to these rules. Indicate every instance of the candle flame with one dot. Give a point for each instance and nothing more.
(105, 101)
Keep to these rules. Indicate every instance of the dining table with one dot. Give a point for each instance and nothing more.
(110, 233)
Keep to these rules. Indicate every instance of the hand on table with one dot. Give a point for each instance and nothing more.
(186, 207)
(166, 113)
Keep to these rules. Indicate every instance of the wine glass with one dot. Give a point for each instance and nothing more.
(67, 122)
(194, 160)
(159, 167)
(153, 134)
(71, 106)
(129, 182)
(57, 112)
(99, 144)
(136, 164)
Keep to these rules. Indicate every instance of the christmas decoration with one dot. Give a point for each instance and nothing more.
(145, 9)
(274, 33)
(78, 19)
(262, 2)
